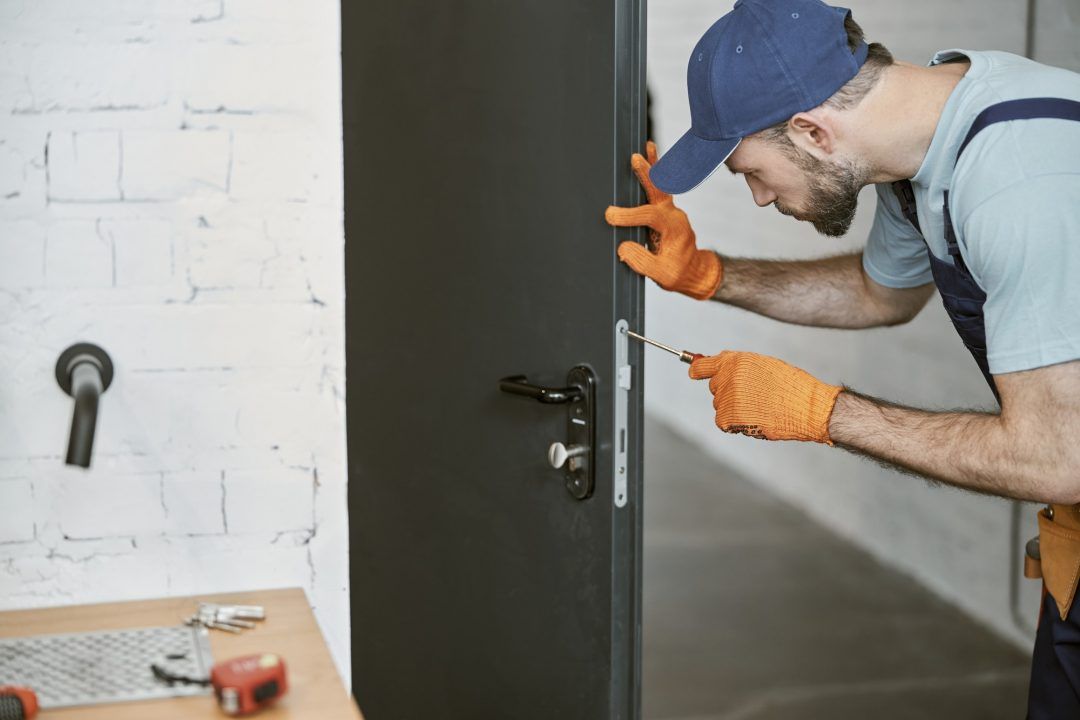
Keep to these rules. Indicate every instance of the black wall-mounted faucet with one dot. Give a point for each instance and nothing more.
(84, 371)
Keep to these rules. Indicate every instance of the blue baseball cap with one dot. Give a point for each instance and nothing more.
(763, 62)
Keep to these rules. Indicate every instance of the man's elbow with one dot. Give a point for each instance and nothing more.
(1061, 482)
(902, 316)
(1064, 488)
(898, 311)
(1060, 496)
(896, 306)
(1057, 456)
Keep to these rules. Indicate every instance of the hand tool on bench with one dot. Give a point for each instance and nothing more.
(17, 703)
(230, 618)
(241, 685)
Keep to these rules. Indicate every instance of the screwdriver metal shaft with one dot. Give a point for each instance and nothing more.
(685, 355)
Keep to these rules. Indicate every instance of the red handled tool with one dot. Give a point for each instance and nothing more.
(17, 703)
(685, 355)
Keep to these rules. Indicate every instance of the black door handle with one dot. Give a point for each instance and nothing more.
(576, 455)
(519, 385)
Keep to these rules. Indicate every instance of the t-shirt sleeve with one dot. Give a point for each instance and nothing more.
(1022, 245)
(895, 254)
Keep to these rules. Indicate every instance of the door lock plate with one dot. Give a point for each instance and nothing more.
(624, 373)
(580, 469)
(578, 455)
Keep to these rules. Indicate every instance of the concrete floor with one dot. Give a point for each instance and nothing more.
(753, 612)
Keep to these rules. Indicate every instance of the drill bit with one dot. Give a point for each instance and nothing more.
(685, 355)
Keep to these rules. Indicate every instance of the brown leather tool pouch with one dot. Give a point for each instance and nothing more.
(1059, 548)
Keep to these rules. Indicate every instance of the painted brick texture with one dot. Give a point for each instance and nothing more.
(171, 189)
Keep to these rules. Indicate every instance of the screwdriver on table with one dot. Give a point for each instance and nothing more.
(685, 355)
(17, 703)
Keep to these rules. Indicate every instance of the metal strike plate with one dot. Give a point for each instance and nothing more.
(624, 376)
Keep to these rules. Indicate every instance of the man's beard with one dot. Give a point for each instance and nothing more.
(833, 193)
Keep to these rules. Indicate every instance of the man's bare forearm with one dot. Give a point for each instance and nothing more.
(984, 452)
(827, 292)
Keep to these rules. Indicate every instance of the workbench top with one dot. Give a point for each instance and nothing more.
(290, 630)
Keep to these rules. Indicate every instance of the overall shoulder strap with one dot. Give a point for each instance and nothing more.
(1022, 109)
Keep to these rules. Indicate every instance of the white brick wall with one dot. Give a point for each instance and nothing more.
(77, 255)
(22, 247)
(170, 188)
(175, 164)
(16, 525)
(84, 166)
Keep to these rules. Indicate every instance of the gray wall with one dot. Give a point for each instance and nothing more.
(958, 544)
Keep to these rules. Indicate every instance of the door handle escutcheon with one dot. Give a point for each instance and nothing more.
(577, 456)
(519, 385)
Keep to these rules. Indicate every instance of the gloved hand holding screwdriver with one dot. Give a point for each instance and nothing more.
(753, 394)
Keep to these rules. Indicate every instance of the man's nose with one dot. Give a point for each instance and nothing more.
(762, 194)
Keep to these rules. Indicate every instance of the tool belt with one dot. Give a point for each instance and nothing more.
(1055, 554)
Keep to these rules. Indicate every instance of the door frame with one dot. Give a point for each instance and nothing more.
(630, 119)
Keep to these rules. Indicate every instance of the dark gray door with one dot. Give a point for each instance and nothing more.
(483, 140)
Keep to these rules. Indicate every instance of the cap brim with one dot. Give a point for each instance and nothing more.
(690, 162)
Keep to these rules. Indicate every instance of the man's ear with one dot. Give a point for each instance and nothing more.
(813, 132)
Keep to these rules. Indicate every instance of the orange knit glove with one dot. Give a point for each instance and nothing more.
(675, 263)
(763, 397)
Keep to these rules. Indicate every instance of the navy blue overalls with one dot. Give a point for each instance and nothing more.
(1055, 668)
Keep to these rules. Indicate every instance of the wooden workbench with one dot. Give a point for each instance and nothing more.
(315, 689)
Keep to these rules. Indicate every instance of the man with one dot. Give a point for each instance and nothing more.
(976, 162)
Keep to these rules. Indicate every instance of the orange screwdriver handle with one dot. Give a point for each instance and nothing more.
(18, 702)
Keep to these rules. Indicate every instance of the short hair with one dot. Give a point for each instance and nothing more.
(851, 94)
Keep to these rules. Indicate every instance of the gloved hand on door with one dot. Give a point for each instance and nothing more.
(766, 398)
(674, 262)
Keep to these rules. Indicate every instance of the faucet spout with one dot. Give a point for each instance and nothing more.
(84, 371)
(86, 387)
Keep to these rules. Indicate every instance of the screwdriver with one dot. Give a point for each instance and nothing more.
(17, 703)
(685, 355)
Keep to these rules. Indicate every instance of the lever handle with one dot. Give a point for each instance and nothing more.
(558, 453)
(579, 398)
(519, 385)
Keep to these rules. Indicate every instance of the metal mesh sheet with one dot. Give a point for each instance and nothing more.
(104, 667)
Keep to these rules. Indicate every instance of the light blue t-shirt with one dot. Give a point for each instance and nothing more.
(1015, 204)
